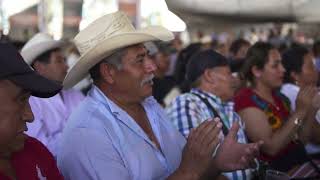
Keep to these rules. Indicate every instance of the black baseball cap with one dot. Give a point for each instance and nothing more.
(203, 60)
(15, 69)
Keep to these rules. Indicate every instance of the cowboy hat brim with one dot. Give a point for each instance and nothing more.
(30, 53)
(108, 46)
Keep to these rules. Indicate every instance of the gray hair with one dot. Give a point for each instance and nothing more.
(114, 59)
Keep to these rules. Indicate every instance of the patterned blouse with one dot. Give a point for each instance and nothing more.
(277, 115)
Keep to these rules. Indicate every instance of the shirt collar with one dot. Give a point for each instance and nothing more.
(98, 95)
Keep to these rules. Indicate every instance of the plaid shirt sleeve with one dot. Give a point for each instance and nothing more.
(185, 114)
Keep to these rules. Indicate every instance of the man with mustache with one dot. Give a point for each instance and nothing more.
(45, 56)
(21, 156)
(119, 131)
(214, 88)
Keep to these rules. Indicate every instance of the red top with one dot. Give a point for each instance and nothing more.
(277, 114)
(34, 162)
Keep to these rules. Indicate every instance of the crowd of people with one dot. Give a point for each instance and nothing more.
(157, 110)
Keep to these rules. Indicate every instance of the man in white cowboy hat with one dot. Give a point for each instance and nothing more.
(119, 131)
(45, 56)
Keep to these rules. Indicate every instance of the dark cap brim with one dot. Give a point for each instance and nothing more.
(38, 85)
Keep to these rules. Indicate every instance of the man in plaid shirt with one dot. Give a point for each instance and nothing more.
(209, 72)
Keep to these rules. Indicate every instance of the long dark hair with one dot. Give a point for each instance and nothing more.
(258, 56)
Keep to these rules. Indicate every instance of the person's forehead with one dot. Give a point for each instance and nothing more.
(136, 50)
(137, 47)
(57, 53)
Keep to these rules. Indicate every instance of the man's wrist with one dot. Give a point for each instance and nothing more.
(216, 169)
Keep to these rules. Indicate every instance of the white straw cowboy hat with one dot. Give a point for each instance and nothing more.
(105, 35)
(37, 45)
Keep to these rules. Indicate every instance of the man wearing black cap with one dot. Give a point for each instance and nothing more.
(22, 157)
(210, 74)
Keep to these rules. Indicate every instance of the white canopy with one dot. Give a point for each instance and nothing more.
(300, 10)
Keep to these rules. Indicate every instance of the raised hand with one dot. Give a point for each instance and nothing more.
(201, 143)
(232, 155)
(305, 98)
(316, 101)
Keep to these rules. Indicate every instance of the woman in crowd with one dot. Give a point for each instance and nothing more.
(300, 73)
(266, 112)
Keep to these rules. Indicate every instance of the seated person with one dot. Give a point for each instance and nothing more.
(214, 88)
(266, 112)
(119, 131)
(21, 156)
(50, 114)
(300, 73)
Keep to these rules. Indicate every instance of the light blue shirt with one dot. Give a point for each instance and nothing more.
(101, 141)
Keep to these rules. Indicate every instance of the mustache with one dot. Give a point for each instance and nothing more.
(147, 79)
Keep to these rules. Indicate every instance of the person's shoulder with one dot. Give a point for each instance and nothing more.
(243, 94)
(244, 98)
(185, 101)
(39, 102)
(36, 157)
(189, 96)
(89, 113)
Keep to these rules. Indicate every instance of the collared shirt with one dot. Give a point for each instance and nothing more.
(188, 111)
(101, 141)
(50, 116)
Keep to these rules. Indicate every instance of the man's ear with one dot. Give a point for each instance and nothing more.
(39, 67)
(208, 75)
(107, 72)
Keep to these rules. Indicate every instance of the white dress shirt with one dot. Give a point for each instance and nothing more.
(50, 116)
